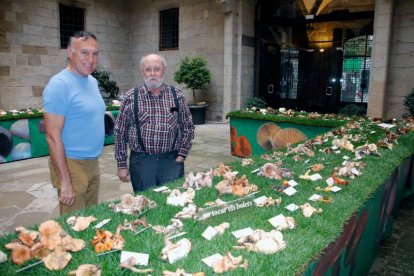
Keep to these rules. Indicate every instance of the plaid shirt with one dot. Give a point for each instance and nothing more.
(158, 124)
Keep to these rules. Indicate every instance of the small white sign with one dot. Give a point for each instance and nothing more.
(102, 223)
(290, 191)
(386, 126)
(337, 152)
(211, 259)
(142, 259)
(292, 183)
(260, 200)
(345, 157)
(209, 233)
(355, 171)
(160, 189)
(330, 181)
(277, 220)
(315, 177)
(242, 232)
(292, 207)
(334, 147)
(315, 197)
(335, 189)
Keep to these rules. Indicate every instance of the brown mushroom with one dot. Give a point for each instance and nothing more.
(288, 136)
(265, 135)
(50, 234)
(80, 223)
(20, 252)
(57, 259)
(86, 270)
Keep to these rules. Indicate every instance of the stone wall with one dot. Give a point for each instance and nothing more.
(201, 32)
(401, 73)
(30, 50)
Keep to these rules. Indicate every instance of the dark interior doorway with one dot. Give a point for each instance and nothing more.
(301, 55)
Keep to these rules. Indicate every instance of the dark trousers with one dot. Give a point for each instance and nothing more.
(147, 170)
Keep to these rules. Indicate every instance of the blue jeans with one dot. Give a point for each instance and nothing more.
(147, 170)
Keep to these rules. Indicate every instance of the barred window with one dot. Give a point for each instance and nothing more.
(72, 19)
(169, 29)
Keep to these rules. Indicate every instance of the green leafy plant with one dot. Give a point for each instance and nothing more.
(255, 102)
(105, 84)
(409, 102)
(193, 72)
(353, 110)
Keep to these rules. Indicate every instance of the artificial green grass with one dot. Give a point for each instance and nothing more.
(304, 243)
(298, 118)
(36, 114)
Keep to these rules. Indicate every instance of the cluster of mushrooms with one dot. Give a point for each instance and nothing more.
(53, 246)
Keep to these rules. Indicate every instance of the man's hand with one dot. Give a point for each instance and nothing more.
(123, 175)
(67, 196)
(179, 159)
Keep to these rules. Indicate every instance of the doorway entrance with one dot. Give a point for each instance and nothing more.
(313, 55)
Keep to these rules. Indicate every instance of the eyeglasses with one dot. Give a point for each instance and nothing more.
(148, 70)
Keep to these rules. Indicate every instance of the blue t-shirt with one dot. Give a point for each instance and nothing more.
(77, 99)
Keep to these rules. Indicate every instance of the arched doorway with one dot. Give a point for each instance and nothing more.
(300, 52)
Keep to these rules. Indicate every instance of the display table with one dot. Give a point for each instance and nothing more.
(342, 239)
(25, 138)
(253, 133)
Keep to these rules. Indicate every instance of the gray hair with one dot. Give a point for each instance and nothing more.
(81, 34)
(161, 57)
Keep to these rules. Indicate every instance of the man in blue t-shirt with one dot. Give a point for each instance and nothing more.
(75, 129)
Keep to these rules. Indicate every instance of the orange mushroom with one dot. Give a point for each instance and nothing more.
(99, 247)
(243, 147)
(50, 234)
(20, 253)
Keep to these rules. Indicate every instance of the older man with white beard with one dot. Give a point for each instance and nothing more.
(155, 122)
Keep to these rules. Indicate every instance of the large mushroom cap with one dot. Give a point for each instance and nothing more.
(57, 260)
(20, 253)
(288, 136)
(50, 234)
(265, 135)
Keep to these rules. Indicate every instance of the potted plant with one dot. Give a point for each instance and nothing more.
(106, 86)
(193, 72)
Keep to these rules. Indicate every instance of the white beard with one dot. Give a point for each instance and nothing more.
(151, 85)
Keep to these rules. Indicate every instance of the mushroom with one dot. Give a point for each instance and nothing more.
(57, 260)
(174, 252)
(27, 237)
(243, 147)
(308, 210)
(288, 136)
(50, 234)
(20, 252)
(228, 263)
(265, 135)
(130, 264)
(78, 223)
(86, 270)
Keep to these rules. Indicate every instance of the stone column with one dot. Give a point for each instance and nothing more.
(232, 39)
(384, 10)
